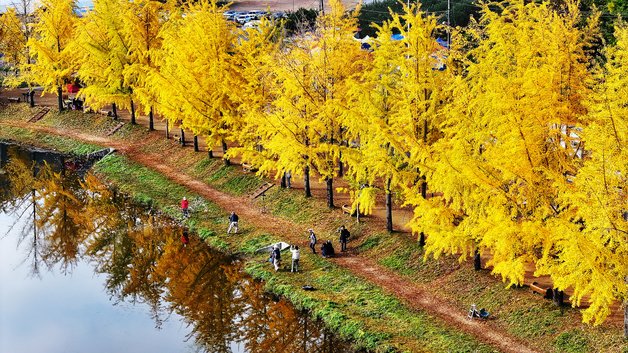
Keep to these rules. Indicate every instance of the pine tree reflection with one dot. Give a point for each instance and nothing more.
(144, 261)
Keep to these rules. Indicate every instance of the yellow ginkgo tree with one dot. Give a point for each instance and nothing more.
(397, 106)
(142, 20)
(255, 57)
(13, 39)
(592, 240)
(15, 32)
(103, 52)
(502, 160)
(53, 32)
(304, 130)
(194, 84)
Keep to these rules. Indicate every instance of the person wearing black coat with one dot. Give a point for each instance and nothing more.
(344, 238)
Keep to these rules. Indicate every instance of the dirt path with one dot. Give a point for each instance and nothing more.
(411, 293)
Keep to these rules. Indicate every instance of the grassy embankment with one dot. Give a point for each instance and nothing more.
(353, 308)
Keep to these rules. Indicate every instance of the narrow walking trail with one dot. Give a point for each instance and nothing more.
(413, 294)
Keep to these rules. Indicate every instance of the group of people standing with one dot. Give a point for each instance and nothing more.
(275, 257)
(327, 249)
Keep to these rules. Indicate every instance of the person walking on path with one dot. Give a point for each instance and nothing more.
(312, 240)
(233, 223)
(185, 207)
(296, 255)
(344, 237)
(276, 257)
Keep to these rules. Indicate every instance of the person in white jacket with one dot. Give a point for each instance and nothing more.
(296, 255)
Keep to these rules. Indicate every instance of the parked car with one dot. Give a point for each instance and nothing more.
(258, 13)
(230, 15)
(244, 18)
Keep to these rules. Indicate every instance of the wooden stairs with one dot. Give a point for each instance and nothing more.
(40, 114)
(260, 191)
(115, 129)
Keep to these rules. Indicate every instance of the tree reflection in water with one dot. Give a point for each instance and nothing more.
(66, 218)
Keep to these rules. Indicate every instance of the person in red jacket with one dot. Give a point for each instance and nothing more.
(185, 207)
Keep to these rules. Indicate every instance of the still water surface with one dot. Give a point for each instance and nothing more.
(83, 269)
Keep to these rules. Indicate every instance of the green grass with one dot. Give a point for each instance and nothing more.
(361, 312)
(293, 206)
(571, 342)
(227, 178)
(61, 144)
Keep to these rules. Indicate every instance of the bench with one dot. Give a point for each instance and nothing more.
(347, 209)
(248, 168)
(545, 292)
(13, 99)
(105, 112)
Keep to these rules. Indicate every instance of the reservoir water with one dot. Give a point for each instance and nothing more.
(84, 269)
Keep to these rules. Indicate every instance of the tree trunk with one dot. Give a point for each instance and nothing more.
(114, 109)
(283, 181)
(224, 152)
(196, 144)
(330, 192)
(182, 138)
(167, 130)
(341, 167)
(477, 260)
(60, 97)
(31, 99)
(133, 122)
(210, 152)
(389, 219)
(558, 297)
(421, 239)
(306, 182)
(151, 123)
